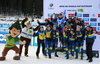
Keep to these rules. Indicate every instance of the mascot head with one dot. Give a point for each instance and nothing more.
(28, 23)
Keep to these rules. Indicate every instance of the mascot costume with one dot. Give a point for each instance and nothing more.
(27, 33)
(12, 38)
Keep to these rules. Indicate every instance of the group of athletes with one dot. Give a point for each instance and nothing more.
(70, 32)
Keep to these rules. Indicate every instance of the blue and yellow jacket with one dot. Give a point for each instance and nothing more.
(66, 36)
(81, 24)
(48, 35)
(54, 23)
(72, 37)
(54, 34)
(89, 35)
(79, 35)
(41, 35)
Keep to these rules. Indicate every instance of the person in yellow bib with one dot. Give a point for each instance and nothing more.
(48, 42)
(40, 40)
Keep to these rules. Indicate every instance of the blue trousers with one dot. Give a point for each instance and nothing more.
(66, 49)
(55, 42)
(81, 46)
(49, 46)
(65, 43)
(71, 48)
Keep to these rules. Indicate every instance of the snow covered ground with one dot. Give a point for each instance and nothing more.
(33, 60)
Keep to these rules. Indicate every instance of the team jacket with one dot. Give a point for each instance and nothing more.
(72, 37)
(79, 35)
(66, 35)
(54, 23)
(41, 35)
(54, 34)
(89, 35)
(81, 24)
(48, 35)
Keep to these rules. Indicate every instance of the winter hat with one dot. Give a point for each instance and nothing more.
(60, 13)
(78, 26)
(72, 30)
(70, 17)
(88, 25)
(54, 26)
(66, 27)
(76, 19)
(46, 19)
(16, 25)
(41, 26)
(48, 25)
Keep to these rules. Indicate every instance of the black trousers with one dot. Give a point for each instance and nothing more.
(89, 50)
(38, 48)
